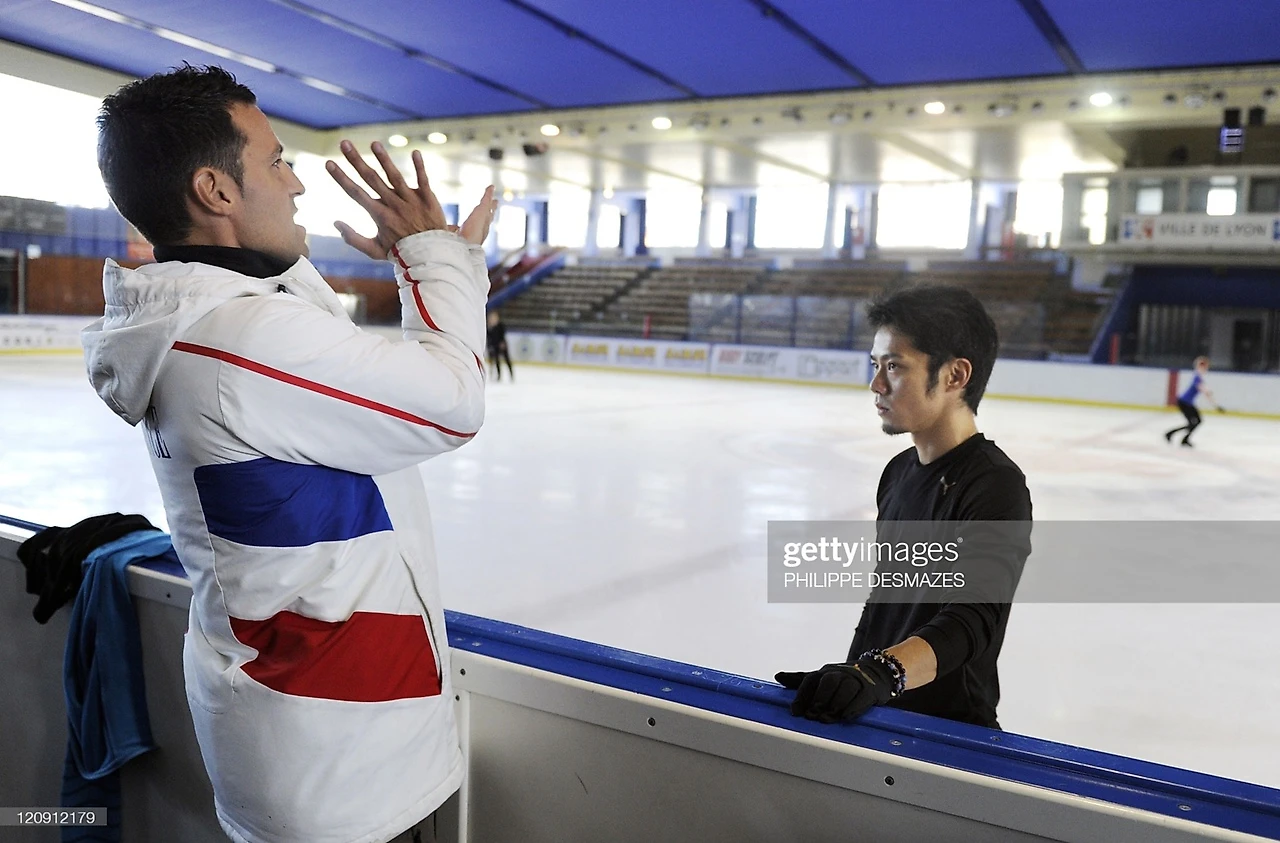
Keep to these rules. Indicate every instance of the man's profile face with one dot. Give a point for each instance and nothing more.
(264, 217)
(899, 384)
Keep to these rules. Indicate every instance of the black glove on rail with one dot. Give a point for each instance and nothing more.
(839, 692)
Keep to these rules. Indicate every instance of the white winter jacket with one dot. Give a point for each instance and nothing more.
(286, 442)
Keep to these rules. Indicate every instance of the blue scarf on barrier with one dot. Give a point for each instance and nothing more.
(107, 722)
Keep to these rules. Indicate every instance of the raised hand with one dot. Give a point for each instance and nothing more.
(475, 229)
(397, 209)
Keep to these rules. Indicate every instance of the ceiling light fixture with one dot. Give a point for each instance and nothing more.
(935, 107)
(661, 123)
(1100, 99)
(550, 129)
(437, 138)
(398, 140)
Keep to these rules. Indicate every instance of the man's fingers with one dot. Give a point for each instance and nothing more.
(828, 686)
(393, 172)
(420, 169)
(789, 679)
(367, 245)
(424, 187)
(352, 189)
(808, 686)
(476, 227)
(366, 172)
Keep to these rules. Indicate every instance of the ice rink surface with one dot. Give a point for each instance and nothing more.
(631, 510)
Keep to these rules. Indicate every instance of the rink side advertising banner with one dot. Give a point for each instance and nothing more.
(1065, 562)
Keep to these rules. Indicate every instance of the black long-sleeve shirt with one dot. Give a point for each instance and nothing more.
(973, 482)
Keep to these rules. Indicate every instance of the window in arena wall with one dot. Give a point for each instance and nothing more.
(609, 227)
(790, 216)
(1093, 213)
(717, 224)
(324, 202)
(567, 217)
(671, 217)
(924, 216)
(510, 226)
(1220, 202)
(52, 150)
(1039, 212)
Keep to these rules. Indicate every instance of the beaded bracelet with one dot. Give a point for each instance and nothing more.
(896, 670)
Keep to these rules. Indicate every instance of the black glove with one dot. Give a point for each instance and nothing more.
(839, 692)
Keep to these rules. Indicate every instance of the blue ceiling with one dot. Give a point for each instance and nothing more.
(346, 62)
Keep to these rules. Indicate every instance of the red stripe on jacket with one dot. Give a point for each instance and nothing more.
(422, 308)
(313, 386)
(370, 657)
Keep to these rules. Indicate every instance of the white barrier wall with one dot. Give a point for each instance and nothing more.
(568, 740)
(1256, 394)
(34, 334)
(1128, 386)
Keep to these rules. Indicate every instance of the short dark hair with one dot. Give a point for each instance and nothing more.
(945, 323)
(155, 133)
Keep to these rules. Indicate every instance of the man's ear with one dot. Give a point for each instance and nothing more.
(959, 372)
(214, 192)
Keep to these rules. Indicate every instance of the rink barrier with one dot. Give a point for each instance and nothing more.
(1082, 384)
(569, 740)
(41, 334)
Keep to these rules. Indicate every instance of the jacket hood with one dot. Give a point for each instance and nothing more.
(151, 307)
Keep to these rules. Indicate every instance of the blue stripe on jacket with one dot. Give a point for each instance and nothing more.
(270, 503)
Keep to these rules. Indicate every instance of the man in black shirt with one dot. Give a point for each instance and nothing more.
(933, 353)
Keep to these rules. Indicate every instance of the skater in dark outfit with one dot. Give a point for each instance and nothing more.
(498, 346)
(933, 353)
(1187, 403)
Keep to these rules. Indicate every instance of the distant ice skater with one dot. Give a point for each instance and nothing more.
(1187, 403)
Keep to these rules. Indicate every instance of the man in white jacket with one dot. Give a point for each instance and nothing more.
(286, 442)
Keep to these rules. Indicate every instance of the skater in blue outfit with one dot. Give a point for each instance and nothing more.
(1187, 403)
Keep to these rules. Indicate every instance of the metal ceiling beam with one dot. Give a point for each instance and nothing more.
(625, 162)
(71, 75)
(775, 160)
(821, 47)
(573, 32)
(227, 54)
(1098, 140)
(409, 52)
(505, 165)
(925, 153)
(1049, 29)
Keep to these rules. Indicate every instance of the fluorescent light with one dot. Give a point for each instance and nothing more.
(398, 140)
(934, 107)
(96, 11)
(321, 85)
(550, 130)
(661, 123)
(1101, 99)
(437, 138)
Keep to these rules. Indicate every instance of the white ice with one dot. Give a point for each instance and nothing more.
(631, 509)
